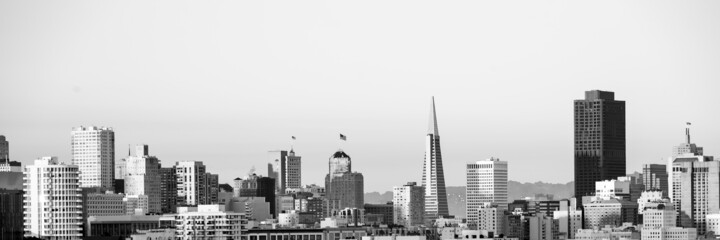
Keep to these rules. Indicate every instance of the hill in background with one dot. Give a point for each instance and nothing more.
(516, 190)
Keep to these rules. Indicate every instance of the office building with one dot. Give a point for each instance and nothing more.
(191, 183)
(312, 209)
(655, 177)
(93, 151)
(142, 177)
(613, 212)
(212, 188)
(489, 219)
(168, 190)
(51, 183)
(433, 178)
(660, 223)
(487, 183)
(409, 205)
(385, 211)
(136, 204)
(5, 164)
(542, 227)
(254, 208)
(344, 188)
(209, 222)
(648, 197)
(257, 186)
(285, 168)
(695, 188)
(104, 204)
(599, 140)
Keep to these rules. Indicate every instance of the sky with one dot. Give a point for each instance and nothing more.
(224, 82)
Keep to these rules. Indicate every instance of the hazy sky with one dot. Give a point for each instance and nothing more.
(225, 81)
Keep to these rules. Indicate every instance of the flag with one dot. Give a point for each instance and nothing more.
(688, 123)
(343, 137)
(293, 137)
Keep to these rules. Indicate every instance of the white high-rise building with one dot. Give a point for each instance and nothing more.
(93, 151)
(191, 183)
(53, 200)
(409, 204)
(569, 218)
(487, 183)
(142, 177)
(490, 219)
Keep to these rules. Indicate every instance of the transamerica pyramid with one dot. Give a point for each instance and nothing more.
(433, 179)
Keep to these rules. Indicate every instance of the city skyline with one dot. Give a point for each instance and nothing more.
(224, 86)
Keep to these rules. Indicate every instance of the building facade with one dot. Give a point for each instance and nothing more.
(344, 188)
(142, 177)
(168, 190)
(487, 183)
(50, 183)
(433, 178)
(409, 205)
(257, 186)
(655, 177)
(285, 168)
(93, 151)
(208, 222)
(613, 212)
(191, 183)
(599, 140)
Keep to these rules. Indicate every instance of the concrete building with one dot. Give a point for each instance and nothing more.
(208, 222)
(612, 189)
(126, 225)
(285, 168)
(599, 140)
(653, 196)
(655, 177)
(93, 151)
(312, 209)
(50, 183)
(191, 183)
(542, 227)
(142, 177)
(168, 190)
(315, 190)
(5, 164)
(659, 215)
(254, 208)
(257, 186)
(490, 219)
(385, 211)
(344, 188)
(289, 219)
(487, 183)
(569, 218)
(409, 205)
(613, 212)
(433, 178)
(669, 233)
(212, 188)
(606, 233)
(695, 188)
(136, 204)
(104, 204)
(713, 223)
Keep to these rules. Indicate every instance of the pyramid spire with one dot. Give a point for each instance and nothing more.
(433, 127)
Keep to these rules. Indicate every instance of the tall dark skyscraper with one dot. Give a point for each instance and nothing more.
(599, 140)
(433, 179)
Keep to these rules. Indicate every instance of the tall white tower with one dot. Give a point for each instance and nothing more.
(53, 200)
(433, 176)
(487, 184)
(191, 183)
(93, 151)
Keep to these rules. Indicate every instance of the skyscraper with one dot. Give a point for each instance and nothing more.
(694, 187)
(343, 188)
(487, 185)
(93, 151)
(53, 208)
(284, 167)
(142, 177)
(599, 140)
(433, 179)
